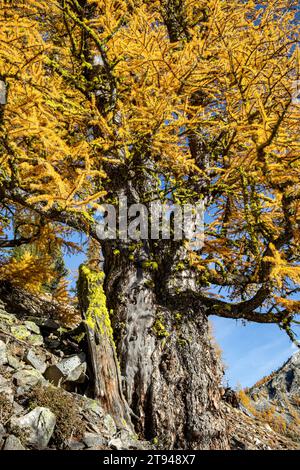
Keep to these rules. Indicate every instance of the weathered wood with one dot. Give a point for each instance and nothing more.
(102, 353)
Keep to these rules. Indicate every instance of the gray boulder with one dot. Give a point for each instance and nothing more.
(31, 326)
(13, 361)
(92, 439)
(38, 426)
(35, 361)
(73, 444)
(3, 353)
(13, 443)
(17, 409)
(28, 378)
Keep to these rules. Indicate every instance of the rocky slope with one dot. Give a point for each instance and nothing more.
(249, 432)
(43, 380)
(45, 398)
(276, 399)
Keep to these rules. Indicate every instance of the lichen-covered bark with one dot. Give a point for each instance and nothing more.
(170, 373)
(106, 374)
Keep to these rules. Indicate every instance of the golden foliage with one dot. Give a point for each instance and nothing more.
(30, 272)
(268, 415)
(277, 422)
(264, 380)
(61, 293)
(103, 90)
(282, 269)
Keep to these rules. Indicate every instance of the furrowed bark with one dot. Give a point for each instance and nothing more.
(170, 370)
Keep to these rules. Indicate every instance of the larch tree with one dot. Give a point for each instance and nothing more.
(177, 101)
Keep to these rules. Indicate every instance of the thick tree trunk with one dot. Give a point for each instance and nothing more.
(170, 372)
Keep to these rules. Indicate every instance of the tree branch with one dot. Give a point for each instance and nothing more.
(13, 243)
(244, 310)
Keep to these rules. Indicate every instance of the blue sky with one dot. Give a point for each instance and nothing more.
(250, 351)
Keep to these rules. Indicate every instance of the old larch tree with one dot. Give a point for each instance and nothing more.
(164, 100)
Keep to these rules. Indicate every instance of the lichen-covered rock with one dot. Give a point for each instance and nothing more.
(13, 361)
(38, 426)
(109, 425)
(93, 406)
(31, 326)
(20, 332)
(7, 319)
(28, 378)
(130, 441)
(35, 340)
(125, 441)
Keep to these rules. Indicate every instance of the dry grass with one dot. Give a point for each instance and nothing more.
(66, 410)
(6, 408)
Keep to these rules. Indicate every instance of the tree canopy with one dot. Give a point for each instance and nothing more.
(100, 94)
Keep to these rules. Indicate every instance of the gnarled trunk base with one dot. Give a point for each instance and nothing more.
(170, 372)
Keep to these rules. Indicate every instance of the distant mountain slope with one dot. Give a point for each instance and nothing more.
(283, 383)
(276, 399)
